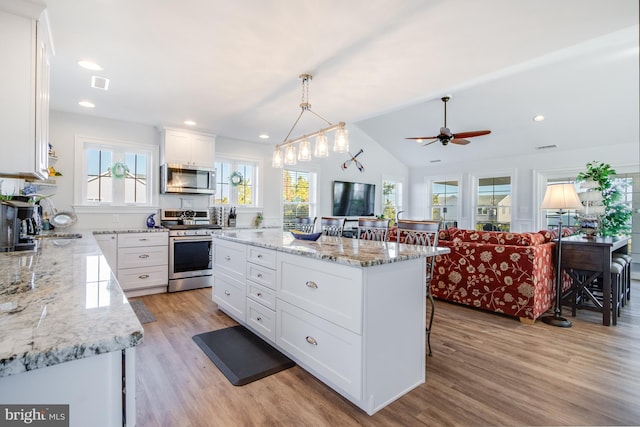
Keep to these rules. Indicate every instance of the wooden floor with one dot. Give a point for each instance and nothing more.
(486, 370)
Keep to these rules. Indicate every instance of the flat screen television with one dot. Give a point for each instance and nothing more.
(353, 198)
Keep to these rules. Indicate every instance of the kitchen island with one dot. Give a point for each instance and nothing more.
(351, 312)
(67, 332)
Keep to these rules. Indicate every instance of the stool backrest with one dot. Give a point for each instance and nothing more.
(373, 229)
(305, 224)
(332, 226)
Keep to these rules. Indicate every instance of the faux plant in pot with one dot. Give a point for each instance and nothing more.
(614, 220)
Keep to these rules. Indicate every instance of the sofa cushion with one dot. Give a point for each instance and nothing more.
(496, 237)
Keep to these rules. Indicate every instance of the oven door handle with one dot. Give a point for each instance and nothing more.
(190, 238)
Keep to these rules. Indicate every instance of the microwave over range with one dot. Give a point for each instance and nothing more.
(187, 179)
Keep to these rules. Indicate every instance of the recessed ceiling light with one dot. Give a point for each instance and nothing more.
(98, 82)
(87, 104)
(90, 65)
(263, 136)
(538, 118)
(190, 123)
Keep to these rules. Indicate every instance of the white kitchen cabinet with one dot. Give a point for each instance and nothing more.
(229, 278)
(26, 51)
(143, 262)
(188, 148)
(261, 291)
(109, 246)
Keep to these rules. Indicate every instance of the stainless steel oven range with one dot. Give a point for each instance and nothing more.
(190, 248)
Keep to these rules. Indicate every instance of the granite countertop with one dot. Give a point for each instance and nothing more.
(358, 253)
(129, 230)
(60, 303)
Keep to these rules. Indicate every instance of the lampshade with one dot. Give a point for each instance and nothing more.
(276, 160)
(304, 152)
(290, 155)
(341, 142)
(322, 146)
(561, 196)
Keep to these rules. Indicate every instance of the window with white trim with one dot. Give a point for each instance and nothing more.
(391, 198)
(298, 196)
(115, 173)
(236, 182)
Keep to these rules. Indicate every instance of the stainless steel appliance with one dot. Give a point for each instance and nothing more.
(187, 179)
(18, 226)
(190, 248)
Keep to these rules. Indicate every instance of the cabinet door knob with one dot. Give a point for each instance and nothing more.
(311, 340)
(259, 319)
(259, 275)
(143, 256)
(259, 294)
(259, 256)
(227, 293)
(228, 258)
(312, 284)
(143, 276)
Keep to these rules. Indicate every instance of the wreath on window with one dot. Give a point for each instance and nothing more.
(236, 179)
(119, 170)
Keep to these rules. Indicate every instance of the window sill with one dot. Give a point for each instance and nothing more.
(114, 209)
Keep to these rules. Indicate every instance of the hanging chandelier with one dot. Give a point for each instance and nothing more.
(294, 150)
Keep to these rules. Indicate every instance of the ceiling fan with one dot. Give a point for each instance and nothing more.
(446, 137)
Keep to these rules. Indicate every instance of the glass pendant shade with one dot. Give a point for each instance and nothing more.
(290, 155)
(304, 152)
(341, 142)
(276, 160)
(322, 146)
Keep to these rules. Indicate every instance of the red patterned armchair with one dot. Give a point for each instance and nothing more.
(510, 273)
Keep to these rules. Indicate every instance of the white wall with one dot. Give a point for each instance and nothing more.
(528, 179)
(64, 127)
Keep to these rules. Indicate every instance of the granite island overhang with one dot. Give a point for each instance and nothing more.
(67, 331)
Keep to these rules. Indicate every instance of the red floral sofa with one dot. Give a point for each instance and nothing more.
(504, 272)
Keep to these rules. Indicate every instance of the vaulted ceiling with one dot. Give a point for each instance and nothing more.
(381, 65)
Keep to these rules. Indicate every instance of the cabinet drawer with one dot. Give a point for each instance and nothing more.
(262, 295)
(261, 256)
(141, 257)
(326, 289)
(143, 277)
(132, 240)
(262, 320)
(262, 275)
(230, 295)
(326, 349)
(229, 258)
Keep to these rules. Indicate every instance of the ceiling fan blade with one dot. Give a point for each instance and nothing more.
(459, 141)
(423, 137)
(471, 134)
(429, 143)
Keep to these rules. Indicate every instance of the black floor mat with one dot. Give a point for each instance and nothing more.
(240, 355)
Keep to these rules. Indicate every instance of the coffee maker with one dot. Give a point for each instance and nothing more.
(18, 227)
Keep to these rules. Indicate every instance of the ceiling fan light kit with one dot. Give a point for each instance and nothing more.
(446, 136)
(321, 149)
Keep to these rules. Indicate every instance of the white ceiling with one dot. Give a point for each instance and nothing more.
(381, 65)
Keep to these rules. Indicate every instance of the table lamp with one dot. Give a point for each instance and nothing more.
(560, 197)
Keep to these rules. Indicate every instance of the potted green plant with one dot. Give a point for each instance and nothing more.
(600, 177)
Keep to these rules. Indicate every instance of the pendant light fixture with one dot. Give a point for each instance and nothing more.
(321, 148)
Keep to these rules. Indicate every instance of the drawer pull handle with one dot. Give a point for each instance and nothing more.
(228, 258)
(143, 239)
(259, 294)
(143, 276)
(259, 275)
(259, 319)
(259, 256)
(312, 284)
(143, 256)
(311, 340)
(227, 293)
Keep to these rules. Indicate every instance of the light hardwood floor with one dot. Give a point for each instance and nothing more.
(486, 370)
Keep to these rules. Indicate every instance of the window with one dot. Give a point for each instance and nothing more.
(298, 196)
(236, 182)
(444, 203)
(493, 210)
(391, 199)
(115, 173)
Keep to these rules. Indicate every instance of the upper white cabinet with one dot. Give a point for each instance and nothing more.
(26, 52)
(188, 148)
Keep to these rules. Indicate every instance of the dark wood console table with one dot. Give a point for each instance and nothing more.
(593, 257)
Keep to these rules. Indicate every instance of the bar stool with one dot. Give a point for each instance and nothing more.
(625, 260)
(616, 294)
(332, 226)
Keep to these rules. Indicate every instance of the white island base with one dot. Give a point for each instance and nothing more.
(360, 330)
(92, 387)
